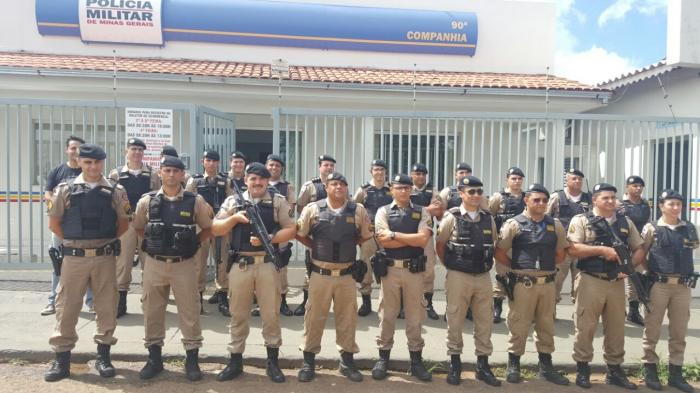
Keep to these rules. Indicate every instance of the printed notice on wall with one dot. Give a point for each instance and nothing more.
(154, 127)
(125, 21)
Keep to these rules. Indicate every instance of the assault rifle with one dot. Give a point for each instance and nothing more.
(253, 214)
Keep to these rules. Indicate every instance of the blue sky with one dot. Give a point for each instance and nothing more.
(597, 40)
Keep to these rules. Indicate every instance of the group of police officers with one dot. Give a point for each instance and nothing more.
(534, 239)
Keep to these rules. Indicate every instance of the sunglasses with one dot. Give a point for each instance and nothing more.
(474, 191)
(539, 200)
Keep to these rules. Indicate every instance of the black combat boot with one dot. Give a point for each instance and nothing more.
(547, 371)
(121, 306)
(366, 307)
(470, 316)
(60, 368)
(234, 368)
(483, 371)
(497, 310)
(308, 369)
(583, 375)
(675, 379)
(192, 371)
(633, 315)
(617, 377)
(418, 369)
(103, 363)
(214, 298)
(347, 367)
(223, 304)
(284, 307)
(651, 376)
(429, 307)
(513, 370)
(301, 309)
(454, 377)
(379, 370)
(273, 369)
(154, 364)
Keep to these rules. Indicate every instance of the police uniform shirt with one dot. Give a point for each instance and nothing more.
(309, 217)
(580, 232)
(626, 198)
(192, 186)
(496, 204)
(434, 196)
(448, 225)
(155, 179)
(307, 194)
(291, 196)
(553, 205)
(381, 219)
(361, 193)
(60, 202)
(203, 213)
(511, 229)
(649, 231)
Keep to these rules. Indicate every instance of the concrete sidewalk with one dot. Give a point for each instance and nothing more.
(24, 332)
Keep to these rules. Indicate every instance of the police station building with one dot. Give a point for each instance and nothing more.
(408, 81)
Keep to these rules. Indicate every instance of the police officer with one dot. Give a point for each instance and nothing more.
(252, 271)
(275, 164)
(670, 242)
(169, 150)
(537, 243)
(600, 290)
(167, 220)
(332, 227)
(465, 240)
(424, 194)
(237, 170)
(372, 195)
(564, 205)
(214, 187)
(311, 191)
(638, 210)
(505, 205)
(89, 214)
(449, 197)
(138, 178)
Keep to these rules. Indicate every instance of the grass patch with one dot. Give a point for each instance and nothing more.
(175, 362)
(525, 373)
(17, 362)
(436, 367)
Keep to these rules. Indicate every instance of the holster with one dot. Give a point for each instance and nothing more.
(285, 255)
(379, 265)
(508, 282)
(56, 260)
(359, 269)
(417, 265)
(232, 257)
(307, 262)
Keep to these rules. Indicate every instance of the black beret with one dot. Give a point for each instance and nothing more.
(670, 194)
(402, 179)
(418, 167)
(275, 157)
(172, 162)
(380, 163)
(600, 187)
(256, 168)
(469, 181)
(463, 166)
(169, 150)
(515, 171)
(537, 188)
(212, 155)
(338, 177)
(325, 157)
(574, 171)
(635, 180)
(238, 154)
(136, 142)
(89, 150)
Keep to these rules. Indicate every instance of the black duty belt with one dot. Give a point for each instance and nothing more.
(529, 281)
(108, 249)
(167, 259)
(688, 281)
(400, 263)
(245, 260)
(331, 272)
(602, 276)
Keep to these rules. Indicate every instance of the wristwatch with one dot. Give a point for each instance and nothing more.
(393, 235)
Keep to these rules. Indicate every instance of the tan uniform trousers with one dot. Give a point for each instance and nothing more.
(221, 278)
(76, 273)
(498, 291)
(130, 246)
(429, 274)
(676, 299)
(596, 298)
(367, 250)
(400, 284)
(569, 265)
(158, 278)
(466, 290)
(323, 290)
(261, 280)
(284, 282)
(536, 304)
(629, 288)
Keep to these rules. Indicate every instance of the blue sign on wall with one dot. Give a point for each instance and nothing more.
(261, 22)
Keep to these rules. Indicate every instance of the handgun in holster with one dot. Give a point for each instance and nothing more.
(56, 256)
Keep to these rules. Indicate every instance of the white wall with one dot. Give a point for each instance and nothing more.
(683, 33)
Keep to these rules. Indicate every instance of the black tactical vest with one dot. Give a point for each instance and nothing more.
(512, 206)
(213, 192)
(423, 197)
(535, 246)
(241, 234)
(453, 198)
(639, 213)
(282, 188)
(404, 221)
(375, 198)
(240, 183)
(598, 264)
(171, 230)
(90, 214)
(672, 250)
(568, 208)
(135, 186)
(335, 234)
(319, 189)
(472, 249)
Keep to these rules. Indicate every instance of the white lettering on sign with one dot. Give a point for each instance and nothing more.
(154, 127)
(125, 21)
